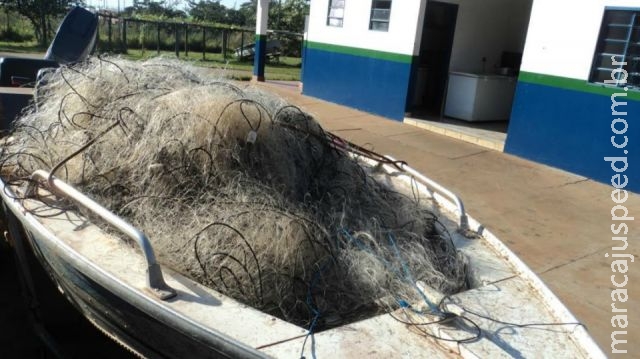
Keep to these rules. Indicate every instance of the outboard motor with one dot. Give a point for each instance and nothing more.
(75, 37)
(73, 42)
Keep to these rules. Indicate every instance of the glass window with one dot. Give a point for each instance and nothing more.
(336, 13)
(380, 15)
(617, 58)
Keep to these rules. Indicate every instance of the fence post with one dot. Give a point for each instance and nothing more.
(124, 35)
(158, 37)
(43, 25)
(140, 26)
(204, 43)
(224, 43)
(109, 20)
(241, 45)
(177, 39)
(186, 40)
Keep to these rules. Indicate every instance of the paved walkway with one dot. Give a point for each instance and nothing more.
(557, 222)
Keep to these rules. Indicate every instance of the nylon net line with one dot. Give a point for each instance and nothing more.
(237, 189)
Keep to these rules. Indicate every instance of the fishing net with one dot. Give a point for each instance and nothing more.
(236, 189)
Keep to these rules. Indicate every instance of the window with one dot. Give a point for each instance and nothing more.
(336, 13)
(617, 57)
(380, 13)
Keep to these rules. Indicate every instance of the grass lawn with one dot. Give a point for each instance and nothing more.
(287, 68)
(21, 47)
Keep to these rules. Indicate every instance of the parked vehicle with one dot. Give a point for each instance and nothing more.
(273, 50)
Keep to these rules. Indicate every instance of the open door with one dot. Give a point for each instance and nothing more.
(434, 57)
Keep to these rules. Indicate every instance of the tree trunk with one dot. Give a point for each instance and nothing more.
(37, 31)
(50, 30)
(8, 20)
(43, 28)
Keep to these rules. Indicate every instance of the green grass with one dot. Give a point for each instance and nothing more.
(287, 68)
(21, 47)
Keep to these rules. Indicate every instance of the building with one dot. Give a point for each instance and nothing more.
(392, 57)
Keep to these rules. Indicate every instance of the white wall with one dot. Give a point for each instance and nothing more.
(563, 35)
(403, 26)
(486, 28)
(560, 39)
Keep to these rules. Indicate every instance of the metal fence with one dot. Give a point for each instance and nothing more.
(118, 35)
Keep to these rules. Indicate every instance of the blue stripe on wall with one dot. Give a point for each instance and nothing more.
(572, 130)
(369, 84)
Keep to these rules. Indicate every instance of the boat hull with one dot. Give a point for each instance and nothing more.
(120, 316)
(102, 277)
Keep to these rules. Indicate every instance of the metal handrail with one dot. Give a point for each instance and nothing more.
(155, 280)
(438, 188)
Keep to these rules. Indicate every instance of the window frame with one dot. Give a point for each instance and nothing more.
(375, 9)
(602, 66)
(333, 7)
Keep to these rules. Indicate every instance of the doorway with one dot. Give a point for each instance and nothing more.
(433, 60)
(463, 85)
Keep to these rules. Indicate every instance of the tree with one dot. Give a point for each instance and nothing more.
(283, 14)
(249, 8)
(213, 11)
(40, 13)
(291, 15)
(248, 11)
(157, 8)
(207, 10)
(235, 17)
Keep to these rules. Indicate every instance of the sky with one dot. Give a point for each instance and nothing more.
(113, 4)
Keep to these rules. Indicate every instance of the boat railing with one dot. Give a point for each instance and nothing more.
(155, 280)
(433, 186)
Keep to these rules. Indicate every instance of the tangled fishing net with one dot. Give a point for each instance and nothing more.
(236, 189)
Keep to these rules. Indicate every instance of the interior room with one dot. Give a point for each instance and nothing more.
(469, 59)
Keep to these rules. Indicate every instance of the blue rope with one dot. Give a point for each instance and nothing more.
(405, 268)
(309, 333)
(316, 313)
(434, 308)
(405, 274)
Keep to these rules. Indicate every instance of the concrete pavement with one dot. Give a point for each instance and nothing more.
(556, 222)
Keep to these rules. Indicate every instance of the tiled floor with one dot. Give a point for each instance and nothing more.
(491, 135)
